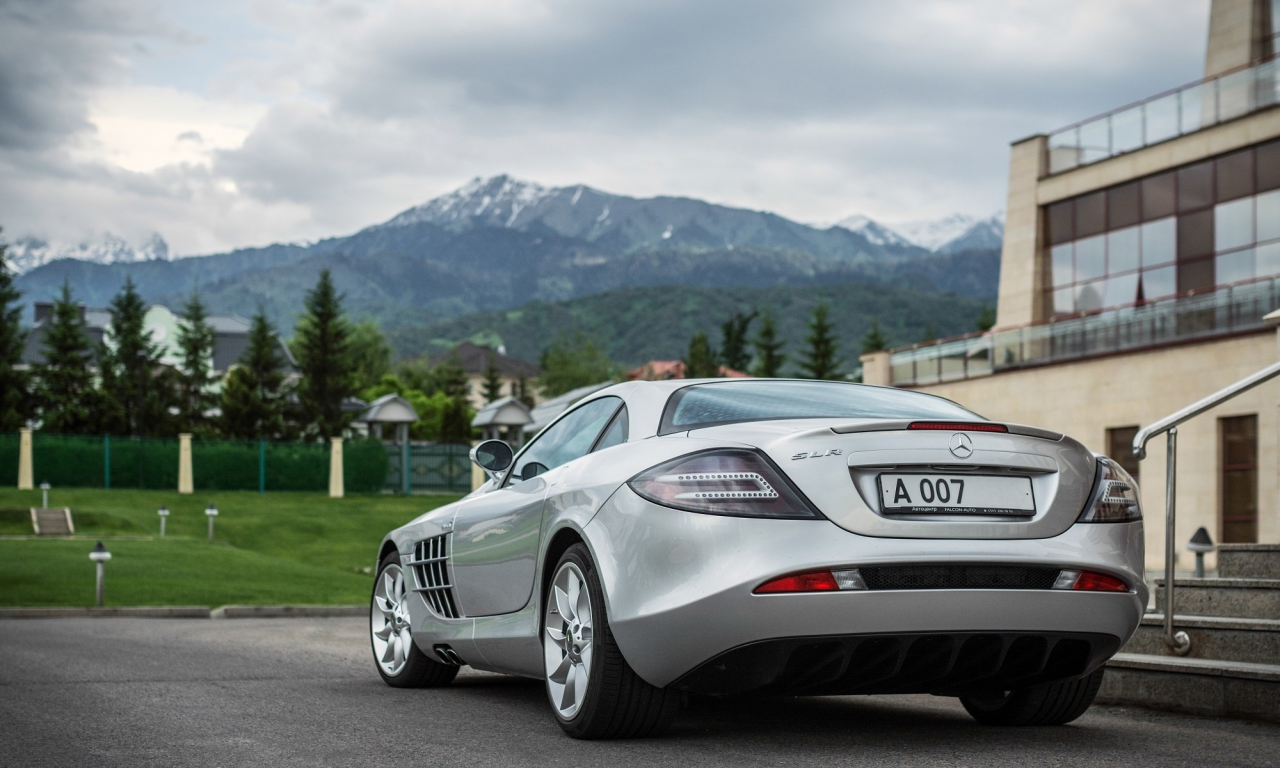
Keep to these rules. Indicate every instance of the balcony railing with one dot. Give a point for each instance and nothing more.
(1228, 310)
(1181, 111)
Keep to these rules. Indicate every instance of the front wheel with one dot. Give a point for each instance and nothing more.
(1050, 704)
(400, 663)
(593, 691)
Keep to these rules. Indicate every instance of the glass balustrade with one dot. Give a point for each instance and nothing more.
(1168, 115)
(1228, 310)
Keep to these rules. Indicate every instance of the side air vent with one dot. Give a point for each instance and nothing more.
(430, 566)
(949, 576)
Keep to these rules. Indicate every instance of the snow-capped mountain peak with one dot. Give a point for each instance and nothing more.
(872, 230)
(498, 200)
(25, 254)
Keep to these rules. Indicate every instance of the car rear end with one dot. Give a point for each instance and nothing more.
(902, 545)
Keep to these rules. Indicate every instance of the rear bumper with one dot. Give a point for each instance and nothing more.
(679, 587)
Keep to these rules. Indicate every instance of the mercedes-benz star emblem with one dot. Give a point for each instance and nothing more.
(961, 445)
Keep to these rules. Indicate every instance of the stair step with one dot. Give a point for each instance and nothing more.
(1212, 637)
(1249, 561)
(1199, 686)
(54, 521)
(1245, 598)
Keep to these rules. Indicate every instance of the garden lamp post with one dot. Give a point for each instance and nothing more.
(211, 512)
(1200, 543)
(164, 514)
(100, 555)
(44, 493)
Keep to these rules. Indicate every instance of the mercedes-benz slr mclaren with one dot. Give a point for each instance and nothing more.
(764, 537)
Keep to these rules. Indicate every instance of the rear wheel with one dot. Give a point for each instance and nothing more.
(593, 691)
(400, 663)
(1050, 704)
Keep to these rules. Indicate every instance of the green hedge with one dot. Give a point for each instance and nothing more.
(217, 465)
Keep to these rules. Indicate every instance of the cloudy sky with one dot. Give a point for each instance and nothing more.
(229, 123)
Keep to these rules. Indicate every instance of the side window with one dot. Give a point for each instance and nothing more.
(615, 433)
(569, 438)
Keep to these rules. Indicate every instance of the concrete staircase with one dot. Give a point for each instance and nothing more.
(1233, 620)
(55, 521)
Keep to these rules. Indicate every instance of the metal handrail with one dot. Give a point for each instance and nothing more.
(1180, 642)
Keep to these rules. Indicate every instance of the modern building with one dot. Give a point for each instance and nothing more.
(1141, 254)
(231, 334)
(475, 359)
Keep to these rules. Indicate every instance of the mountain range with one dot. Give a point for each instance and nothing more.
(500, 242)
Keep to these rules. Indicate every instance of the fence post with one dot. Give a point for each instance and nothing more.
(106, 461)
(335, 468)
(26, 473)
(185, 484)
(406, 482)
(262, 466)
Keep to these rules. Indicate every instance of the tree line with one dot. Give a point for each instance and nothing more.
(123, 386)
(764, 354)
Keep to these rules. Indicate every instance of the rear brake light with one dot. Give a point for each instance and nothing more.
(958, 426)
(813, 581)
(727, 481)
(1088, 581)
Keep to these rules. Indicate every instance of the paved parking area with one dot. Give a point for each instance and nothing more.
(283, 692)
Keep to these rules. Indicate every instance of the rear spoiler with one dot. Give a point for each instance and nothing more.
(905, 425)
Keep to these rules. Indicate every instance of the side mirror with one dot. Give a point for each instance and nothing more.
(493, 456)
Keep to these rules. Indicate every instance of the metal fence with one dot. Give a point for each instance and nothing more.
(432, 467)
(1168, 115)
(217, 465)
(1222, 312)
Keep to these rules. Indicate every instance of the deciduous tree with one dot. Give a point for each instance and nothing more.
(573, 361)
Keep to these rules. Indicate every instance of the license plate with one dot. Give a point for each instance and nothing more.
(933, 494)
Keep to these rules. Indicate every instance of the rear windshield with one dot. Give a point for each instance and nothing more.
(706, 405)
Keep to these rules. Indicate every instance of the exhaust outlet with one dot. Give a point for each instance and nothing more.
(448, 656)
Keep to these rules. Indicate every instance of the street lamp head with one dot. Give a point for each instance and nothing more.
(99, 554)
(45, 486)
(163, 512)
(1201, 542)
(212, 511)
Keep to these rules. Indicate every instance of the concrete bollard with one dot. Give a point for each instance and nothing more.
(26, 473)
(186, 483)
(335, 468)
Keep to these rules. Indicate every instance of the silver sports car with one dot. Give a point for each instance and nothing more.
(771, 537)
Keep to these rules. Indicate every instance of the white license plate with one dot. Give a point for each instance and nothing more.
(931, 494)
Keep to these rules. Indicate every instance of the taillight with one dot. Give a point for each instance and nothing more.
(958, 426)
(813, 581)
(1088, 581)
(1115, 496)
(726, 481)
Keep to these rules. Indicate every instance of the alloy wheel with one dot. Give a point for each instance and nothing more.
(389, 621)
(567, 646)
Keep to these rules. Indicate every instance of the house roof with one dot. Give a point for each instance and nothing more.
(503, 412)
(474, 359)
(661, 370)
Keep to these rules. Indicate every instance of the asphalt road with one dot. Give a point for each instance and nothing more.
(282, 692)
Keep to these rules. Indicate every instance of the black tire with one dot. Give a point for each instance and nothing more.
(420, 670)
(618, 704)
(1051, 704)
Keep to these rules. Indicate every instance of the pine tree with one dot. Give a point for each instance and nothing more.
(15, 401)
(733, 345)
(769, 355)
(65, 392)
(455, 421)
(874, 340)
(702, 361)
(195, 367)
(253, 394)
(322, 347)
(492, 380)
(821, 359)
(140, 388)
(986, 317)
(524, 393)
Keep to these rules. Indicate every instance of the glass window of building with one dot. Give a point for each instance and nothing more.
(1120, 448)
(1209, 224)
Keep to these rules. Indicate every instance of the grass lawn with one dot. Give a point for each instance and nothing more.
(273, 548)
